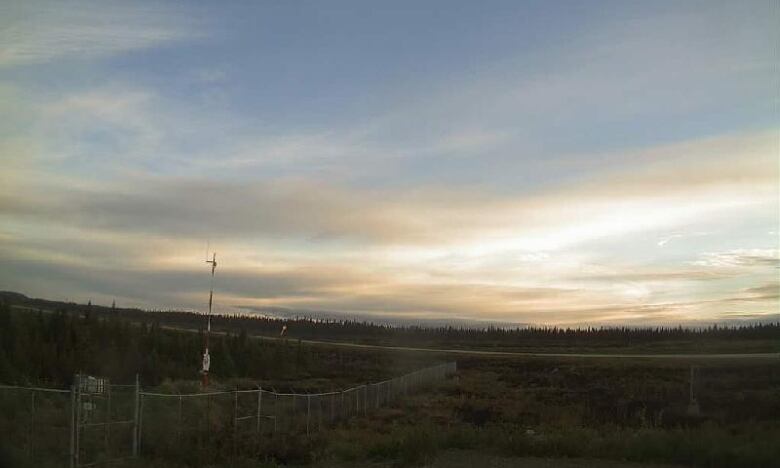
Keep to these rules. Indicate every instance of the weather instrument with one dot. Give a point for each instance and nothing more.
(206, 357)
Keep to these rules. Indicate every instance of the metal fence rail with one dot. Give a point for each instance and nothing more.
(43, 426)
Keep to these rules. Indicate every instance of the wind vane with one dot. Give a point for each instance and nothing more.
(206, 357)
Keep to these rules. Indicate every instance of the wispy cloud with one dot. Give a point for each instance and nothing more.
(679, 235)
(461, 252)
(740, 258)
(483, 223)
(37, 32)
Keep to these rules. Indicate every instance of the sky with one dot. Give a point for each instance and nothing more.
(531, 162)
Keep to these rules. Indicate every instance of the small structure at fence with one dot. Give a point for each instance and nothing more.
(97, 422)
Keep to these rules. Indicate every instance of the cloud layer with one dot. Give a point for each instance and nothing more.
(625, 173)
(39, 32)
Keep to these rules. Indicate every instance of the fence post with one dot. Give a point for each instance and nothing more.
(77, 449)
(72, 426)
(208, 418)
(259, 406)
(178, 427)
(235, 422)
(308, 412)
(136, 414)
(32, 425)
(319, 413)
(140, 421)
(107, 432)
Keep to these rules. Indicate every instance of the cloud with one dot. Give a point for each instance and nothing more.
(490, 195)
(740, 258)
(467, 220)
(657, 275)
(459, 251)
(679, 235)
(765, 291)
(38, 32)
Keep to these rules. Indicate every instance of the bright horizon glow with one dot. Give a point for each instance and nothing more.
(553, 163)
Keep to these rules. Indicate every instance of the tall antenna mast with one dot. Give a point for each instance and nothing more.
(206, 357)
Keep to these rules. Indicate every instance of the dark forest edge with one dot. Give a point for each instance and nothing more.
(46, 349)
(747, 338)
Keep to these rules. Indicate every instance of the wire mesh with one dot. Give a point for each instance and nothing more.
(87, 426)
(231, 421)
(35, 424)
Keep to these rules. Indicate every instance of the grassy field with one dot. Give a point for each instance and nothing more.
(545, 412)
(576, 408)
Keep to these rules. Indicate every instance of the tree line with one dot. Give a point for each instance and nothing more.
(411, 335)
(49, 348)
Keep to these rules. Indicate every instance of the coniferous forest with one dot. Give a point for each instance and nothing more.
(48, 342)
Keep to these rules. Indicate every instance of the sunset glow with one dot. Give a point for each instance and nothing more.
(622, 168)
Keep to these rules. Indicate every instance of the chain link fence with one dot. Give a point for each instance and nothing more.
(36, 424)
(235, 420)
(96, 423)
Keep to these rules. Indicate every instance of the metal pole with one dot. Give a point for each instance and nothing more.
(72, 457)
(136, 416)
(32, 424)
(107, 432)
(178, 427)
(78, 420)
(259, 406)
(235, 421)
(140, 421)
(308, 412)
(208, 419)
